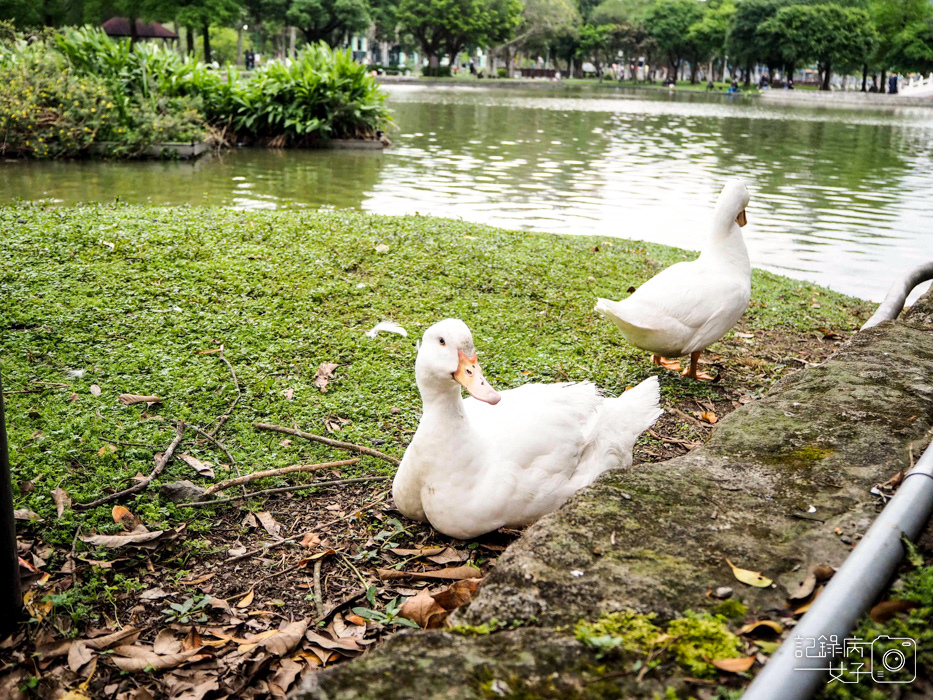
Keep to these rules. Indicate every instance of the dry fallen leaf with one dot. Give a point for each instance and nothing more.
(245, 601)
(709, 417)
(806, 606)
(887, 609)
(137, 658)
(78, 655)
(739, 665)
(448, 555)
(289, 394)
(286, 639)
(424, 611)
(752, 627)
(95, 390)
(269, 523)
(752, 578)
(457, 594)
(62, 500)
(130, 399)
(456, 573)
(143, 539)
(324, 374)
(814, 575)
(25, 514)
(310, 539)
(202, 468)
(122, 516)
(128, 635)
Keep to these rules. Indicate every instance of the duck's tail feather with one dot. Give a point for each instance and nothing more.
(615, 428)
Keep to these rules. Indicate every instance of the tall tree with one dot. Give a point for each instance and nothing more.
(831, 35)
(905, 29)
(745, 44)
(669, 22)
(328, 20)
(707, 37)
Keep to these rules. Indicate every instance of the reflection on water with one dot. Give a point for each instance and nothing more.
(839, 197)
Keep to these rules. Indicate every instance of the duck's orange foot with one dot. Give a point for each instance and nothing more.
(693, 373)
(672, 365)
(696, 374)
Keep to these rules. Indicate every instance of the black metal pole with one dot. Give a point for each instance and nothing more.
(11, 597)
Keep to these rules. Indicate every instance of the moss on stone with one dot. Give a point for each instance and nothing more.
(701, 636)
(627, 629)
(731, 609)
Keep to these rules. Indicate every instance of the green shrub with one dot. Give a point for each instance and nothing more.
(46, 110)
(436, 71)
(502, 73)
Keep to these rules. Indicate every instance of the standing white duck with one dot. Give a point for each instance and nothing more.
(689, 306)
(507, 459)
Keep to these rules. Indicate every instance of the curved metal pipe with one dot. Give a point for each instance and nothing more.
(859, 581)
(897, 295)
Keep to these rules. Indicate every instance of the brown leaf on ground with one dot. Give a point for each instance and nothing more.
(448, 555)
(344, 644)
(456, 573)
(289, 393)
(245, 601)
(755, 628)
(285, 676)
(286, 639)
(459, 593)
(709, 417)
(133, 538)
(269, 523)
(202, 468)
(166, 643)
(424, 611)
(153, 594)
(311, 539)
(334, 425)
(324, 374)
(751, 578)
(130, 399)
(814, 575)
(739, 665)
(25, 514)
(128, 635)
(62, 500)
(122, 516)
(95, 390)
(132, 658)
(78, 655)
(887, 609)
(192, 640)
(423, 552)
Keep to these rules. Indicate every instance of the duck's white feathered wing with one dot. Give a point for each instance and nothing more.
(680, 310)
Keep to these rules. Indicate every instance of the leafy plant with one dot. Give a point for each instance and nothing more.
(190, 610)
(387, 617)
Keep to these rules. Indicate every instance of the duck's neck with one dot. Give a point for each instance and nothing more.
(726, 245)
(443, 404)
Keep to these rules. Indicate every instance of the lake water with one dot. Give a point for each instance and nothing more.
(840, 197)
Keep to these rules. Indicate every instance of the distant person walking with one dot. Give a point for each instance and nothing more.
(892, 84)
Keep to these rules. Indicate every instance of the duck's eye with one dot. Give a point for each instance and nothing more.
(442, 341)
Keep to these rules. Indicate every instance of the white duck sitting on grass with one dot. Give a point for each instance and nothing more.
(506, 459)
(689, 306)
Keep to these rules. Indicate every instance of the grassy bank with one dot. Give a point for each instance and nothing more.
(103, 301)
(129, 296)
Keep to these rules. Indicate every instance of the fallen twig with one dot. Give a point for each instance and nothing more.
(318, 595)
(293, 540)
(223, 419)
(359, 449)
(283, 489)
(220, 486)
(144, 484)
(338, 605)
(687, 417)
(223, 448)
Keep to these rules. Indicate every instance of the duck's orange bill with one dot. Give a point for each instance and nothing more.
(471, 377)
(741, 220)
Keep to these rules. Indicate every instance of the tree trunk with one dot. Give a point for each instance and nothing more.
(883, 86)
(693, 72)
(189, 40)
(865, 77)
(134, 36)
(239, 45)
(827, 72)
(748, 75)
(206, 36)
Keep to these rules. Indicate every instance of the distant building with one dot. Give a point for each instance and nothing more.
(119, 27)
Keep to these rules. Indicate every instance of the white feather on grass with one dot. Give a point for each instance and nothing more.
(387, 327)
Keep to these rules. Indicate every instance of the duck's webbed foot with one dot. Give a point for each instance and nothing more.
(672, 365)
(692, 371)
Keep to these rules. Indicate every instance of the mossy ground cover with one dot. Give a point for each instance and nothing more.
(128, 298)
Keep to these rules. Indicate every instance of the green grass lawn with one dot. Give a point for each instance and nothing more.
(129, 296)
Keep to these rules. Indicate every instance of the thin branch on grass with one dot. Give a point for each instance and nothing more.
(284, 489)
(144, 484)
(224, 449)
(687, 417)
(359, 449)
(223, 419)
(293, 540)
(318, 595)
(220, 486)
